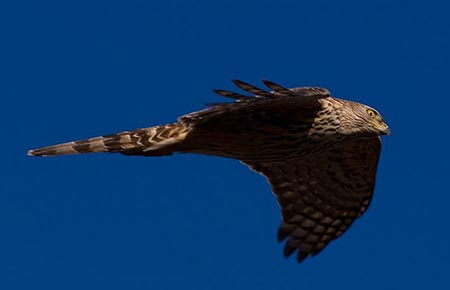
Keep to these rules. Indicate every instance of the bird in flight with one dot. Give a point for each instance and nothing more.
(318, 153)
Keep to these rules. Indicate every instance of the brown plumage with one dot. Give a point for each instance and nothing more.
(318, 153)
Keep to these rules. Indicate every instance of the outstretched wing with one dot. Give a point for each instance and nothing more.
(268, 124)
(276, 97)
(322, 194)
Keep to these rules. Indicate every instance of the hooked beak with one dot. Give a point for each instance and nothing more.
(384, 129)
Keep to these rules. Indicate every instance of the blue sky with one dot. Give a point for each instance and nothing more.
(75, 69)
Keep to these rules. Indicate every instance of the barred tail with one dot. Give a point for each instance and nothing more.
(154, 141)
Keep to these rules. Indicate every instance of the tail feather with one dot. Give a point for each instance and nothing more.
(147, 141)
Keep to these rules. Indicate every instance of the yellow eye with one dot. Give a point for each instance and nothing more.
(371, 113)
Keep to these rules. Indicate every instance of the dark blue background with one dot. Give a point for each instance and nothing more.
(72, 70)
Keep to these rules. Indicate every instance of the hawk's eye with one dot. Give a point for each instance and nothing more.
(371, 113)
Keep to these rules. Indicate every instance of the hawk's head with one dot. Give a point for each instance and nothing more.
(364, 119)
